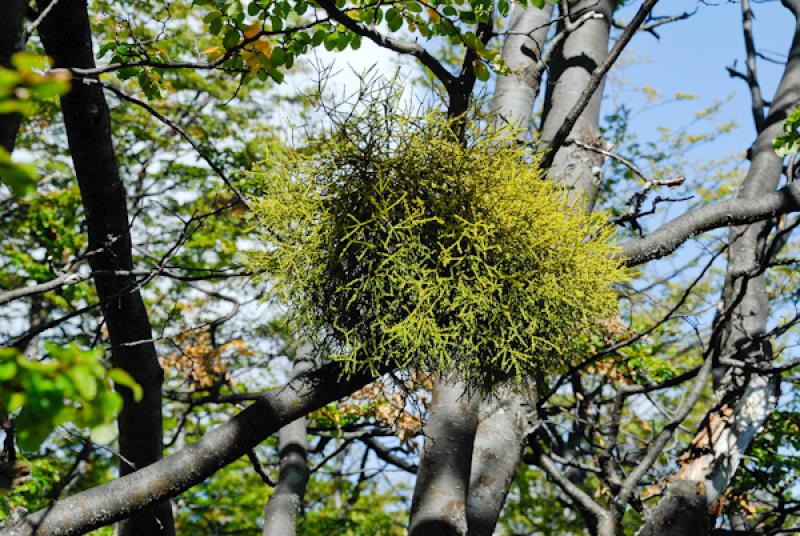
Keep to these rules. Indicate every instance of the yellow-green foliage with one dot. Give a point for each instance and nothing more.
(406, 247)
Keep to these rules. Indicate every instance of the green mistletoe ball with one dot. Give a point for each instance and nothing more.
(407, 246)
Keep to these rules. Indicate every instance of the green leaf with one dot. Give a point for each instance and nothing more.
(8, 369)
(278, 57)
(231, 38)
(84, 381)
(276, 75)
(481, 71)
(104, 434)
(215, 27)
(48, 89)
(394, 20)
(331, 41)
(120, 377)
(503, 7)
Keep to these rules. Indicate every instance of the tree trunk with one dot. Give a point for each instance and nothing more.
(12, 16)
(747, 399)
(498, 445)
(579, 54)
(440, 495)
(495, 459)
(66, 35)
(514, 95)
(499, 437)
(280, 514)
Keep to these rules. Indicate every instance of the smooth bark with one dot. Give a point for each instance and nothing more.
(440, 493)
(286, 502)
(583, 50)
(495, 459)
(66, 35)
(498, 439)
(514, 95)
(504, 423)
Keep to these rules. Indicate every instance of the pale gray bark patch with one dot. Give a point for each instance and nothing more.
(581, 52)
(286, 501)
(514, 95)
(495, 459)
(440, 493)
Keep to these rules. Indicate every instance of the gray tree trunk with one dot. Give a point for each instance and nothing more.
(514, 95)
(495, 459)
(746, 399)
(286, 502)
(503, 421)
(440, 493)
(580, 53)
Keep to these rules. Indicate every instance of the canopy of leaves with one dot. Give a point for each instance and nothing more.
(408, 247)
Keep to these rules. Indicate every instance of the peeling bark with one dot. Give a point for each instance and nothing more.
(66, 35)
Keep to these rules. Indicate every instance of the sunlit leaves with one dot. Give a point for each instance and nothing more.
(69, 386)
(788, 143)
(21, 90)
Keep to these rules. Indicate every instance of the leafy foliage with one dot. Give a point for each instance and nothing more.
(789, 142)
(265, 37)
(408, 248)
(73, 386)
(20, 90)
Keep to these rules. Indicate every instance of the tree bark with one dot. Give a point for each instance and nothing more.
(514, 95)
(502, 429)
(746, 400)
(440, 494)
(495, 459)
(12, 16)
(498, 438)
(286, 502)
(66, 35)
(580, 53)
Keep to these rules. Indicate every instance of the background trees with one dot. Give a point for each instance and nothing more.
(127, 233)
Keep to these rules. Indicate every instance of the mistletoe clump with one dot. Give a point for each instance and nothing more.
(406, 245)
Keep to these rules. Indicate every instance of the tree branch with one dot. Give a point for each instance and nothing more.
(385, 41)
(105, 504)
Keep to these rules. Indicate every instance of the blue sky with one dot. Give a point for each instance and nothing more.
(691, 57)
